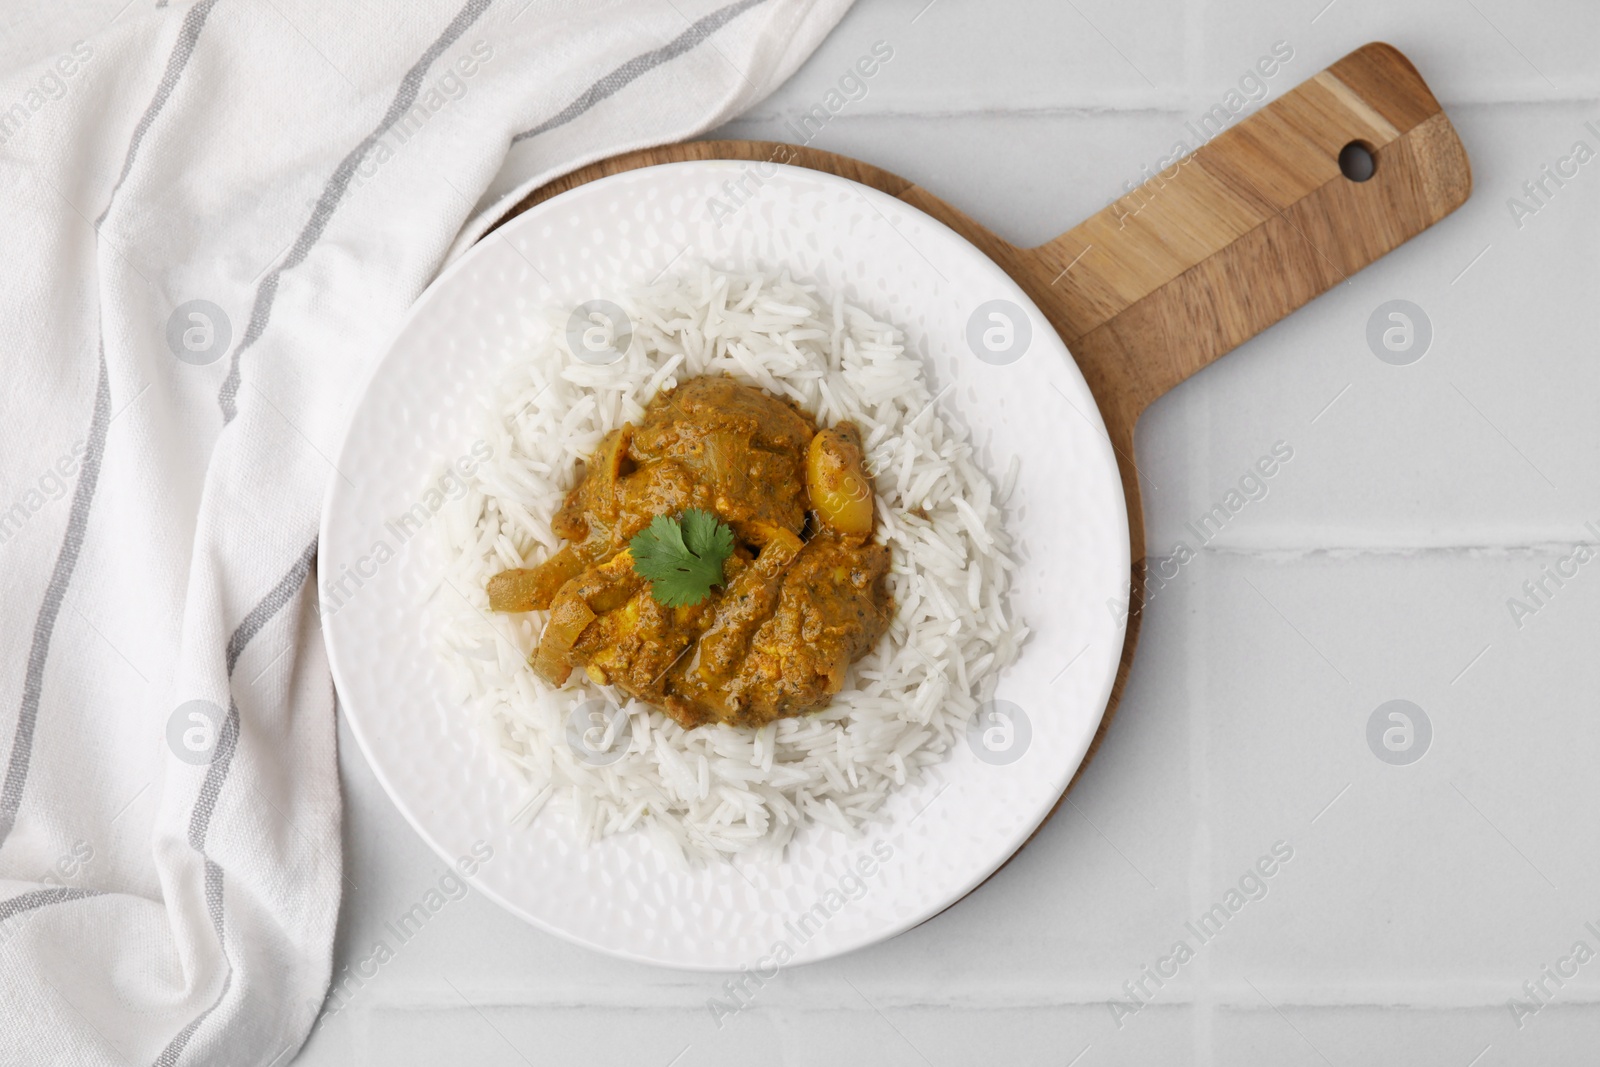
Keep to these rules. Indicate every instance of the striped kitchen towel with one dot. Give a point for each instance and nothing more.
(215, 214)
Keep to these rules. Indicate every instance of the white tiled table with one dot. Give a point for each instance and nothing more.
(1419, 898)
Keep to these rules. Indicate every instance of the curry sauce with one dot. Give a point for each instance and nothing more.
(803, 593)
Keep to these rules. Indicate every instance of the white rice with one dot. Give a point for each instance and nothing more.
(720, 790)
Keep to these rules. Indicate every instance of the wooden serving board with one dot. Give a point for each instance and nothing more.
(1205, 255)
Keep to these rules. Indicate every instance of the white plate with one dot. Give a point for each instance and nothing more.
(941, 838)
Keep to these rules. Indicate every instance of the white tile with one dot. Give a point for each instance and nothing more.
(1293, 1035)
(1485, 50)
(1458, 870)
(490, 1034)
(1558, 1034)
(1489, 437)
(855, 1031)
(960, 56)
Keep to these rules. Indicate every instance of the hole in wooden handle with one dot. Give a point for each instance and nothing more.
(1357, 162)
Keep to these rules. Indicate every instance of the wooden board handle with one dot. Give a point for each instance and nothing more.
(1247, 228)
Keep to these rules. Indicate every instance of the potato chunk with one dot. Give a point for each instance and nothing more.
(836, 479)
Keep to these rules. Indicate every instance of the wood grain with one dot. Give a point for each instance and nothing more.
(1207, 254)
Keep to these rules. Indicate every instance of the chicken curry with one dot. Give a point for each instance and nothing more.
(719, 561)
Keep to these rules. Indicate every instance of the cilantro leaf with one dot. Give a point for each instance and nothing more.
(682, 558)
(704, 535)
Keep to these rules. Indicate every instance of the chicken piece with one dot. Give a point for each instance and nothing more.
(580, 603)
(699, 688)
(834, 607)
